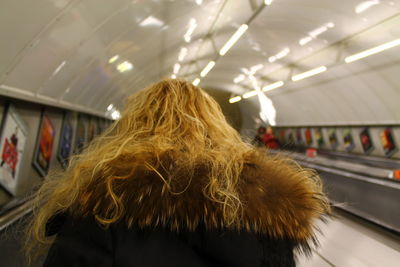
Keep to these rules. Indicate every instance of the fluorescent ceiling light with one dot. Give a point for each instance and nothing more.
(115, 115)
(189, 32)
(272, 59)
(182, 53)
(235, 99)
(173, 76)
(125, 66)
(250, 94)
(207, 69)
(59, 68)
(196, 81)
(305, 40)
(239, 78)
(177, 67)
(361, 7)
(151, 21)
(283, 53)
(113, 59)
(234, 38)
(267, 2)
(110, 107)
(272, 86)
(279, 55)
(309, 73)
(372, 51)
(199, 2)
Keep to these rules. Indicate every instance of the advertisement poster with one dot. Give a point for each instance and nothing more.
(291, 141)
(93, 129)
(333, 141)
(65, 146)
(12, 144)
(348, 140)
(44, 146)
(387, 141)
(81, 134)
(366, 141)
(308, 136)
(299, 137)
(282, 137)
(319, 137)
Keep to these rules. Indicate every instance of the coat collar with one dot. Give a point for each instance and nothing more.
(279, 198)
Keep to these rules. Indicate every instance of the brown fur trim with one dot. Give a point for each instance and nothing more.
(279, 198)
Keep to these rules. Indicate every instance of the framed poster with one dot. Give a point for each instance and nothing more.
(44, 145)
(81, 134)
(387, 141)
(333, 141)
(348, 140)
(93, 129)
(282, 136)
(299, 137)
(308, 136)
(65, 145)
(319, 137)
(366, 141)
(12, 144)
(291, 141)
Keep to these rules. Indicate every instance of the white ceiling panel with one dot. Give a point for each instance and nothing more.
(61, 50)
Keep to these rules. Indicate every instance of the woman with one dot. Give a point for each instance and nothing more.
(172, 184)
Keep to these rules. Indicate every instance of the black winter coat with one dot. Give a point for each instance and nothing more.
(85, 243)
(280, 205)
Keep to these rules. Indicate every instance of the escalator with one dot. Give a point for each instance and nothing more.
(362, 185)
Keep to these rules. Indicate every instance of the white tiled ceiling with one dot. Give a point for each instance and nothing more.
(61, 49)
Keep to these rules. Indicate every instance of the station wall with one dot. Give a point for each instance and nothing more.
(31, 114)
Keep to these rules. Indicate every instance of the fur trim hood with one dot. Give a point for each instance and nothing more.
(279, 199)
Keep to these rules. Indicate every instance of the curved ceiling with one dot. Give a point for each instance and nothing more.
(67, 53)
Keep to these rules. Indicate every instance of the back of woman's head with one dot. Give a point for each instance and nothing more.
(172, 119)
(174, 114)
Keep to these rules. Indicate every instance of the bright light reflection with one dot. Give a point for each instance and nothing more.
(113, 59)
(115, 115)
(182, 53)
(250, 94)
(239, 78)
(207, 69)
(235, 99)
(189, 32)
(372, 51)
(196, 82)
(272, 86)
(363, 6)
(173, 76)
(110, 107)
(234, 38)
(124, 66)
(309, 73)
(177, 67)
(151, 21)
(267, 2)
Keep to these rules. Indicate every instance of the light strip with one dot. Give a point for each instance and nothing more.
(250, 94)
(177, 67)
(113, 59)
(309, 73)
(235, 99)
(267, 2)
(273, 86)
(234, 38)
(372, 51)
(196, 81)
(207, 69)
